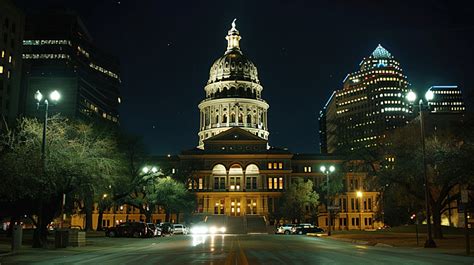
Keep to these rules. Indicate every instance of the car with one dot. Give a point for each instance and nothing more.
(307, 230)
(166, 228)
(300, 225)
(180, 229)
(128, 229)
(284, 229)
(153, 230)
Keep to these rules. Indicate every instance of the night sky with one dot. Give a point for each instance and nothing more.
(302, 49)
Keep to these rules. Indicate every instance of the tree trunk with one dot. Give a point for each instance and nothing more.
(177, 217)
(148, 215)
(99, 219)
(45, 216)
(88, 205)
(437, 232)
(167, 215)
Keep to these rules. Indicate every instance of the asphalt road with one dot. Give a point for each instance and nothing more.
(236, 249)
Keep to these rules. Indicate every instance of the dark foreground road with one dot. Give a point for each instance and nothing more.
(233, 249)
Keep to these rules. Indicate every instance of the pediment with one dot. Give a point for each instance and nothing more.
(235, 134)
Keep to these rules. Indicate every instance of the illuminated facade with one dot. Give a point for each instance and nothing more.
(370, 103)
(235, 173)
(64, 58)
(11, 30)
(233, 95)
(447, 100)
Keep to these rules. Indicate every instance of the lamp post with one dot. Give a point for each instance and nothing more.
(359, 196)
(326, 171)
(54, 97)
(411, 97)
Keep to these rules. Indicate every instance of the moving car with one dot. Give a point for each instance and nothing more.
(128, 229)
(284, 229)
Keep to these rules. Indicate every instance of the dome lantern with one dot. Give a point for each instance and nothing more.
(233, 38)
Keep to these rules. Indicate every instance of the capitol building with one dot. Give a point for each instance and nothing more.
(237, 176)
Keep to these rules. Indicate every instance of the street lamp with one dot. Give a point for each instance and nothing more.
(54, 97)
(326, 171)
(359, 196)
(411, 97)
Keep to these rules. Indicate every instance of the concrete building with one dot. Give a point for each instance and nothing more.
(370, 103)
(59, 54)
(446, 100)
(11, 37)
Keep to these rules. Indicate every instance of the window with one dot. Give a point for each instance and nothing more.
(307, 169)
(251, 183)
(269, 164)
(352, 204)
(280, 165)
(200, 183)
(275, 183)
(3, 54)
(1, 69)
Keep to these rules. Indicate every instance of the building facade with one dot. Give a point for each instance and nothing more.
(446, 100)
(370, 103)
(11, 36)
(236, 173)
(59, 54)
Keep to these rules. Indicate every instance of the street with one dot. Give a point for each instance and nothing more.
(234, 249)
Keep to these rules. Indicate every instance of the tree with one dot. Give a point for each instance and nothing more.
(449, 164)
(80, 158)
(299, 200)
(172, 196)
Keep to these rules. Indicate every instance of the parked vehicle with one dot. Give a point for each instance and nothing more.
(166, 228)
(306, 230)
(153, 230)
(180, 229)
(128, 229)
(284, 229)
(300, 225)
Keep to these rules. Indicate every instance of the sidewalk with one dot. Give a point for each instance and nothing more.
(451, 244)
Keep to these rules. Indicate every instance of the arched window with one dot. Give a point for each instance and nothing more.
(217, 118)
(241, 118)
(251, 177)
(232, 117)
(224, 118)
(236, 175)
(219, 174)
(249, 118)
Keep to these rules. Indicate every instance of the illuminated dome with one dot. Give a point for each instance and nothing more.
(233, 65)
(233, 95)
(381, 53)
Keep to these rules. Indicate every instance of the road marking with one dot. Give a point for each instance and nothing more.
(243, 258)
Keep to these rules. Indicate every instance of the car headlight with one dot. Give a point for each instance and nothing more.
(199, 230)
(213, 230)
(223, 229)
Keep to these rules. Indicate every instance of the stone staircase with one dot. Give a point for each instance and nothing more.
(239, 224)
(256, 224)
